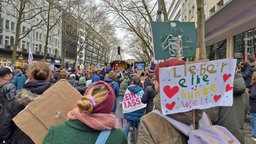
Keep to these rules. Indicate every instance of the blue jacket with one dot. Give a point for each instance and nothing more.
(115, 87)
(135, 115)
(19, 80)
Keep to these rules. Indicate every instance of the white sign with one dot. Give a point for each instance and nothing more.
(132, 102)
(197, 86)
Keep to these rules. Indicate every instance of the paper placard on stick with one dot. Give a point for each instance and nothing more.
(132, 102)
(48, 110)
(197, 86)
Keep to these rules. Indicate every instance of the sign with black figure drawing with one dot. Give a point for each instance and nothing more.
(173, 39)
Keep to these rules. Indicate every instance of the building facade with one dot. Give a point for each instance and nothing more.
(32, 32)
(230, 29)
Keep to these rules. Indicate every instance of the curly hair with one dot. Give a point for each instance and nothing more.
(39, 71)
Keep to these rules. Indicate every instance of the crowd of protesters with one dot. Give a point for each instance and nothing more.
(20, 86)
(100, 86)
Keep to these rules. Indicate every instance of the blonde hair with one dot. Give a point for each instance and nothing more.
(39, 71)
(112, 75)
(98, 92)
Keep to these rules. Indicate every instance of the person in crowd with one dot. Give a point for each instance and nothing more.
(7, 96)
(81, 87)
(108, 68)
(147, 80)
(246, 72)
(134, 116)
(252, 62)
(101, 77)
(91, 116)
(149, 94)
(19, 79)
(22, 99)
(39, 74)
(72, 80)
(110, 79)
(233, 117)
(252, 103)
(156, 129)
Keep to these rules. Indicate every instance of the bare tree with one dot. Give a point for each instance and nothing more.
(26, 12)
(136, 16)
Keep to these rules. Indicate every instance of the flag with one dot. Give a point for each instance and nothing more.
(30, 56)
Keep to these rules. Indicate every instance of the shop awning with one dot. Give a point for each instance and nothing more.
(236, 17)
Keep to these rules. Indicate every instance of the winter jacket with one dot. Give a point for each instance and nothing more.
(115, 87)
(252, 99)
(233, 117)
(37, 86)
(7, 98)
(157, 130)
(148, 97)
(135, 115)
(19, 80)
(76, 132)
(124, 85)
(247, 75)
(146, 83)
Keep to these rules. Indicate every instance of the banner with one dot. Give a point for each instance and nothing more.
(197, 86)
(30, 56)
(132, 102)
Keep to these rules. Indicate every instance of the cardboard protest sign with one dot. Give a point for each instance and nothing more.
(132, 102)
(197, 86)
(48, 110)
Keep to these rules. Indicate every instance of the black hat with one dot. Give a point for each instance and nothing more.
(5, 70)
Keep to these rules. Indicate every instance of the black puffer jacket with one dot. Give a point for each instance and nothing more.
(7, 97)
(37, 86)
(148, 97)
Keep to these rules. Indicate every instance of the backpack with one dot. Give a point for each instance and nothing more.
(205, 134)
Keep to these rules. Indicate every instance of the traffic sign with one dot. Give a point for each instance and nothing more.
(173, 38)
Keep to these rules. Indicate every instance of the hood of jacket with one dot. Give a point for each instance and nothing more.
(24, 99)
(185, 117)
(108, 80)
(37, 86)
(239, 85)
(135, 88)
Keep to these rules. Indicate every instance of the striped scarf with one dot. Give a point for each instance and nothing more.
(97, 121)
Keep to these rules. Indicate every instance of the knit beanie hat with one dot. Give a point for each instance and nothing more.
(167, 63)
(95, 78)
(107, 104)
(5, 70)
(151, 69)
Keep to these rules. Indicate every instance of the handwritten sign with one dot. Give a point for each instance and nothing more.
(197, 86)
(132, 102)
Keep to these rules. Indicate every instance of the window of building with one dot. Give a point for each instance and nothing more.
(13, 26)
(40, 36)
(1, 39)
(23, 29)
(11, 41)
(7, 41)
(23, 45)
(1, 24)
(220, 4)
(7, 24)
(36, 35)
(212, 11)
(28, 45)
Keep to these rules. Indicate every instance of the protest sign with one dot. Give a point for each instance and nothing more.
(48, 110)
(197, 86)
(132, 102)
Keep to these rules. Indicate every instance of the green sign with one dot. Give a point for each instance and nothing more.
(171, 35)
